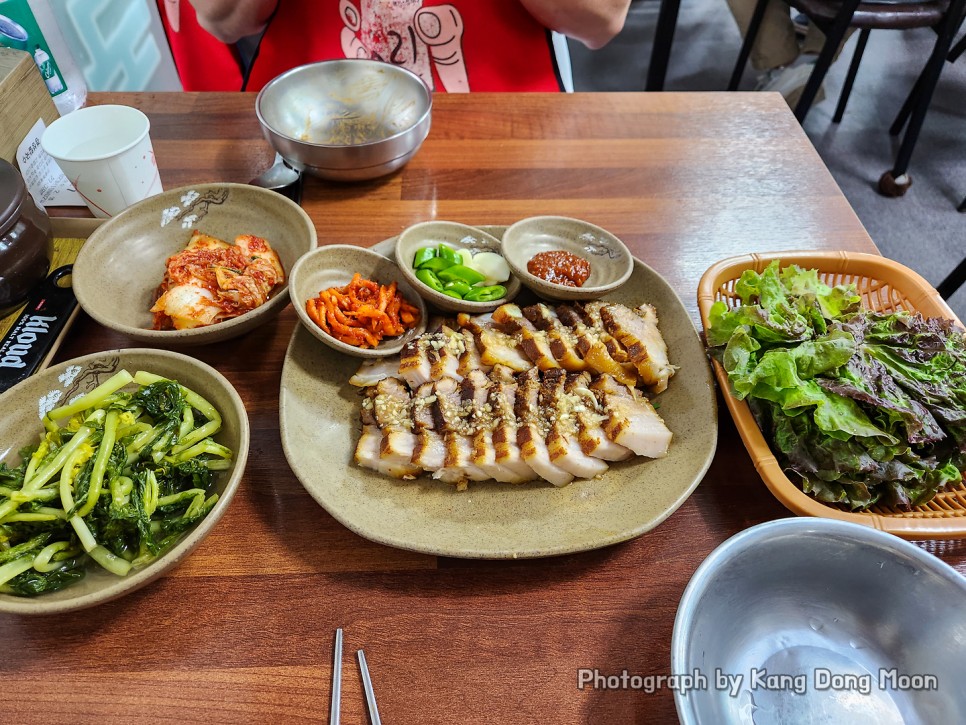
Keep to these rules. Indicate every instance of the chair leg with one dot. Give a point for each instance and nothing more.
(667, 21)
(896, 128)
(953, 282)
(957, 50)
(833, 38)
(962, 207)
(850, 78)
(747, 45)
(929, 78)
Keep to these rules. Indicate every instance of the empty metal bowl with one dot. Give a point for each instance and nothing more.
(820, 621)
(347, 120)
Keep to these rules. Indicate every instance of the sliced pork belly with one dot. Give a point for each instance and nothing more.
(454, 420)
(563, 437)
(476, 389)
(532, 341)
(562, 340)
(637, 331)
(502, 397)
(369, 455)
(590, 418)
(533, 427)
(470, 359)
(374, 370)
(431, 356)
(632, 421)
(392, 410)
(591, 341)
(429, 450)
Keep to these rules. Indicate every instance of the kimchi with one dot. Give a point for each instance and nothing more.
(211, 281)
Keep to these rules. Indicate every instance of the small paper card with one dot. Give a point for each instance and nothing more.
(43, 177)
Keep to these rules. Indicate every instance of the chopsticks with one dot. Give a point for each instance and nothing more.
(370, 695)
(336, 678)
(334, 710)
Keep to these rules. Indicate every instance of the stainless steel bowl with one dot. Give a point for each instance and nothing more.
(820, 621)
(346, 120)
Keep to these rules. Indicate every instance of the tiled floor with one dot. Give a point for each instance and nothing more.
(922, 229)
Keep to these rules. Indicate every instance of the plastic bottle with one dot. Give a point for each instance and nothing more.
(35, 20)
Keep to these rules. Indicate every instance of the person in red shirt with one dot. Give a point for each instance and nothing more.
(454, 45)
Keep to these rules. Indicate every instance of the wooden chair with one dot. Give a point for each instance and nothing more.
(834, 18)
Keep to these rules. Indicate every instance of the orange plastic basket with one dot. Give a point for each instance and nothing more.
(885, 286)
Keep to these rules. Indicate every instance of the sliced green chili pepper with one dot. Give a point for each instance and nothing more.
(448, 253)
(429, 279)
(451, 293)
(459, 287)
(486, 294)
(461, 273)
(436, 264)
(422, 256)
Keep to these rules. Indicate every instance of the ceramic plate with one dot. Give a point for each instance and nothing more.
(21, 424)
(319, 420)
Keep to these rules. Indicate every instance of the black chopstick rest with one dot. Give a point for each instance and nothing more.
(29, 341)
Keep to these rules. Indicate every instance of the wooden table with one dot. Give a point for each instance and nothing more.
(242, 631)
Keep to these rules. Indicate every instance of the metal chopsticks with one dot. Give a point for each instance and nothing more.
(336, 678)
(371, 706)
(370, 695)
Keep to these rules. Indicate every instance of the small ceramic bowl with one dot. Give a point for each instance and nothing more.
(21, 425)
(333, 266)
(120, 266)
(611, 262)
(457, 236)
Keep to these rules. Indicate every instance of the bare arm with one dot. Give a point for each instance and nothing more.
(230, 20)
(593, 22)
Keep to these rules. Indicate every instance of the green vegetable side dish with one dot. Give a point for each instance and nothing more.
(117, 477)
(862, 407)
(461, 274)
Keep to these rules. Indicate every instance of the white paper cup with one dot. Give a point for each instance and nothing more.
(106, 153)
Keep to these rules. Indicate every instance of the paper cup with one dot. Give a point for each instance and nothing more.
(106, 153)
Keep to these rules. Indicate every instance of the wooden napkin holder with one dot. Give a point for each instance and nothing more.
(23, 99)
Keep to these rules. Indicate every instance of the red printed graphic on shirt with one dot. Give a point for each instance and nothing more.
(422, 39)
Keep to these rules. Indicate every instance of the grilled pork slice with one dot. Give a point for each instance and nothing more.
(387, 440)
(431, 356)
(392, 409)
(638, 332)
(502, 397)
(533, 427)
(533, 342)
(476, 389)
(470, 359)
(632, 421)
(454, 420)
(562, 340)
(592, 343)
(590, 418)
(563, 437)
(372, 371)
(429, 450)
(445, 352)
(496, 346)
